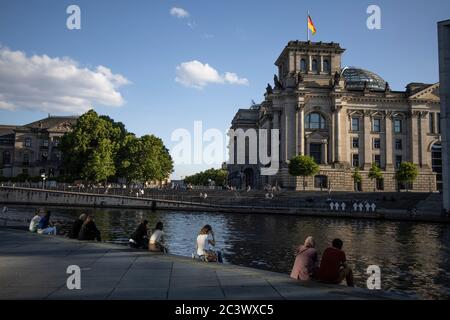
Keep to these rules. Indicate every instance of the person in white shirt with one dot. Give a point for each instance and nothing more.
(204, 240)
(35, 221)
(156, 243)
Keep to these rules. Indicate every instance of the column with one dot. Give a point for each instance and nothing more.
(388, 142)
(423, 123)
(325, 152)
(301, 130)
(337, 122)
(276, 126)
(321, 64)
(332, 139)
(414, 138)
(367, 142)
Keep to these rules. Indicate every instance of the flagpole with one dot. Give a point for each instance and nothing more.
(307, 28)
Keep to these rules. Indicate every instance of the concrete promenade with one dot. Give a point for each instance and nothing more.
(34, 267)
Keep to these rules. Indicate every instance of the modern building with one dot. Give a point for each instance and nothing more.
(346, 119)
(444, 76)
(32, 149)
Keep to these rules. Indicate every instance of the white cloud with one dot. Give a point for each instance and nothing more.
(198, 75)
(55, 84)
(179, 12)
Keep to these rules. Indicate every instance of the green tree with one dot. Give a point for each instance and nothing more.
(407, 173)
(375, 173)
(357, 178)
(303, 166)
(100, 165)
(218, 176)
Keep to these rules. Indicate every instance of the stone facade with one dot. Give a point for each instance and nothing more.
(32, 149)
(444, 76)
(345, 118)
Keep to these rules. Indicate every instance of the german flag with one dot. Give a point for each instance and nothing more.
(311, 25)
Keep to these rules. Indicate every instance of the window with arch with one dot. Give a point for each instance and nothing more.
(326, 66)
(315, 121)
(314, 65)
(6, 157)
(303, 65)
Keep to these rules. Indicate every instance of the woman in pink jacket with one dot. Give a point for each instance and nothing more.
(306, 260)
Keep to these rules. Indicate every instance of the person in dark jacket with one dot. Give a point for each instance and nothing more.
(76, 226)
(89, 230)
(139, 238)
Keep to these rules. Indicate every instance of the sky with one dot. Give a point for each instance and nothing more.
(160, 65)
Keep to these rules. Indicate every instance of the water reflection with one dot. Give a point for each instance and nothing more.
(414, 258)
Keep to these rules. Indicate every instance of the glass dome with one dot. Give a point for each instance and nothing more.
(356, 79)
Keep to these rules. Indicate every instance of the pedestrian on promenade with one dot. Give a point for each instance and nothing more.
(89, 230)
(45, 226)
(204, 240)
(35, 221)
(139, 238)
(333, 267)
(76, 226)
(306, 261)
(156, 243)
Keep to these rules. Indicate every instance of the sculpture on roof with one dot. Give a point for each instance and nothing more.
(269, 89)
(277, 83)
(337, 78)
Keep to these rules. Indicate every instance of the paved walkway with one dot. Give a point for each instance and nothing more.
(34, 267)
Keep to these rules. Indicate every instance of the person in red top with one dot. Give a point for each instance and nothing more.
(333, 266)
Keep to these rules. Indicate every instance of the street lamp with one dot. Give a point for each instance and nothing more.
(43, 176)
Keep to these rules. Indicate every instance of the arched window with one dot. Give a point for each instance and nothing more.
(6, 157)
(314, 65)
(326, 66)
(303, 65)
(315, 121)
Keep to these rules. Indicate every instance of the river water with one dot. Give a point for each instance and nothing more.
(414, 257)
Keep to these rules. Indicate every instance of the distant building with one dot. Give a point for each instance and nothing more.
(444, 76)
(346, 119)
(32, 149)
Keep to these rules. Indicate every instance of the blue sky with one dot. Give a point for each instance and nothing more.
(144, 43)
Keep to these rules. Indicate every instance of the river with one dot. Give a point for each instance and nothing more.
(413, 257)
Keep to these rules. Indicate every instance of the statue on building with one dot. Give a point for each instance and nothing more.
(387, 87)
(337, 78)
(277, 83)
(269, 89)
(299, 78)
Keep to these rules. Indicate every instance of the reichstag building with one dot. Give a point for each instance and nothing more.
(346, 119)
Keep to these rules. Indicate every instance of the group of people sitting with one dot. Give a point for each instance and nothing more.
(41, 224)
(84, 228)
(155, 243)
(333, 267)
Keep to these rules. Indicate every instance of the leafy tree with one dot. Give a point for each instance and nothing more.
(407, 173)
(303, 166)
(100, 164)
(219, 176)
(357, 178)
(375, 173)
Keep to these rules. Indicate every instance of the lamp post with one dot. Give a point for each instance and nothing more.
(44, 177)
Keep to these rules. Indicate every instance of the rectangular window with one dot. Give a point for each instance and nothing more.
(355, 160)
(398, 126)
(28, 142)
(355, 143)
(56, 141)
(45, 143)
(377, 160)
(398, 144)
(380, 184)
(26, 159)
(376, 143)
(355, 124)
(398, 161)
(376, 125)
(44, 156)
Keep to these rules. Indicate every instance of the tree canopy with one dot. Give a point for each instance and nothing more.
(303, 166)
(98, 148)
(407, 172)
(219, 176)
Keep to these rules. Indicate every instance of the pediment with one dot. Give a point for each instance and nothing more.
(62, 127)
(431, 94)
